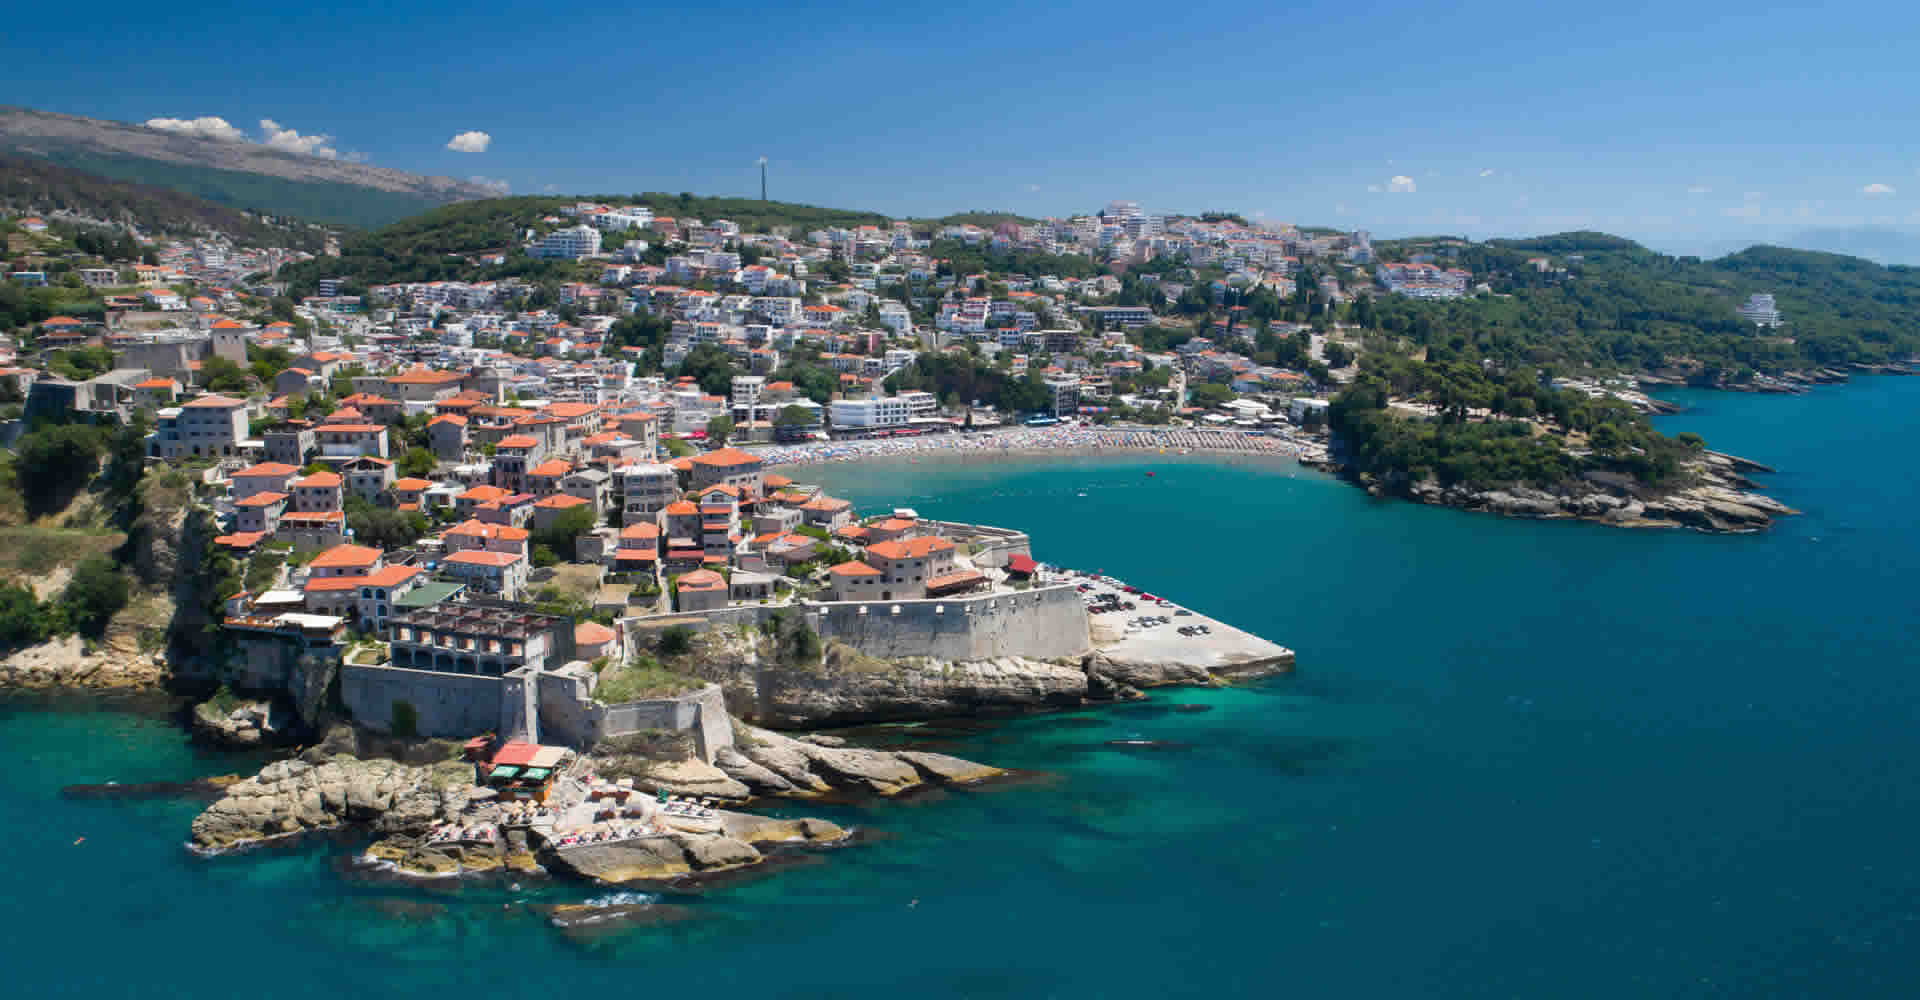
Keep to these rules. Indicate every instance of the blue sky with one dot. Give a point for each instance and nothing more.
(1681, 124)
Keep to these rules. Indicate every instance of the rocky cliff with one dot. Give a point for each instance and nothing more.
(847, 688)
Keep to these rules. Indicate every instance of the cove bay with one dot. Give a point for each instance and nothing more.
(1515, 758)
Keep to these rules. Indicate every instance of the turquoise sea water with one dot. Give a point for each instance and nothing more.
(1518, 759)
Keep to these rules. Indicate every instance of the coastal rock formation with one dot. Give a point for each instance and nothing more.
(293, 796)
(247, 724)
(1719, 499)
(69, 662)
(674, 854)
(783, 765)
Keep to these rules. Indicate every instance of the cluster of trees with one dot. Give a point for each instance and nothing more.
(955, 379)
(384, 527)
(555, 542)
(93, 595)
(53, 462)
(962, 259)
(1492, 430)
(21, 306)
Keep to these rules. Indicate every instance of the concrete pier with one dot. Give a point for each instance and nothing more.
(1221, 649)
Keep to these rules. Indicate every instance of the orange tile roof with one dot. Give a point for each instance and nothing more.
(211, 402)
(318, 480)
(476, 557)
(411, 483)
(481, 494)
(346, 555)
(561, 501)
(266, 469)
(681, 507)
(592, 634)
(551, 467)
(261, 500)
(480, 529)
(702, 579)
(854, 568)
(726, 458)
(910, 548)
(519, 441)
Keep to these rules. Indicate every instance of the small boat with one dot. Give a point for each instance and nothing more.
(1149, 475)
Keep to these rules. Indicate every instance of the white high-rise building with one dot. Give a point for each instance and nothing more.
(1760, 310)
(1119, 213)
(571, 243)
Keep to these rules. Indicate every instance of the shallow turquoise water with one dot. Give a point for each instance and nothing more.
(1518, 759)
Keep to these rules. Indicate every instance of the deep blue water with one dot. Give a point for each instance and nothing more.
(1517, 759)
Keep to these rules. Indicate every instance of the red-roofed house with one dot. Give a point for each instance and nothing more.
(259, 512)
(908, 563)
(266, 477)
(447, 436)
(700, 590)
(318, 492)
(857, 581)
(499, 574)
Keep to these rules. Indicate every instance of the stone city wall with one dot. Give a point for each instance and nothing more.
(449, 705)
(1039, 624)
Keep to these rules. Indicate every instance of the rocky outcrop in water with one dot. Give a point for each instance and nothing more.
(769, 763)
(246, 724)
(293, 796)
(1719, 499)
(673, 854)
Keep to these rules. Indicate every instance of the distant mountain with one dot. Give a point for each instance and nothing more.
(240, 174)
(47, 188)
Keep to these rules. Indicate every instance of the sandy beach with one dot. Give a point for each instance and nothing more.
(1063, 439)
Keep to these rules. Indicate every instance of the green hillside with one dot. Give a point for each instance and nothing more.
(1618, 306)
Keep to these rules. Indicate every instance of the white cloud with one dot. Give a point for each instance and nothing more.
(1373, 187)
(1877, 189)
(1755, 196)
(207, 127)
(1699, 189)
(1487, 172)
(1401, 184)
(274, 136)
(470, 142)
(1339, 208)
(1033, 187)
(492, 183)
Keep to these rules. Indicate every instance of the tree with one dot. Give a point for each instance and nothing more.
(94, 594)
(418, 463)
(719, 429)
(52, 463)
(20, 618)
(559, 535)
(792, 416)
(221, 375)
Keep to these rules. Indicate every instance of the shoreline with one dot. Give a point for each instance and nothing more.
(1076, 442)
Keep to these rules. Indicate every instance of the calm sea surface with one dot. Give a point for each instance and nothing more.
(1517, 759)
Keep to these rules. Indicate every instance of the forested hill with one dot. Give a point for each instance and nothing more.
(32, 185)
(1600, 301)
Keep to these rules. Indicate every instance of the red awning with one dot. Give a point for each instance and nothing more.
(1022, 564)
(516, 754)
